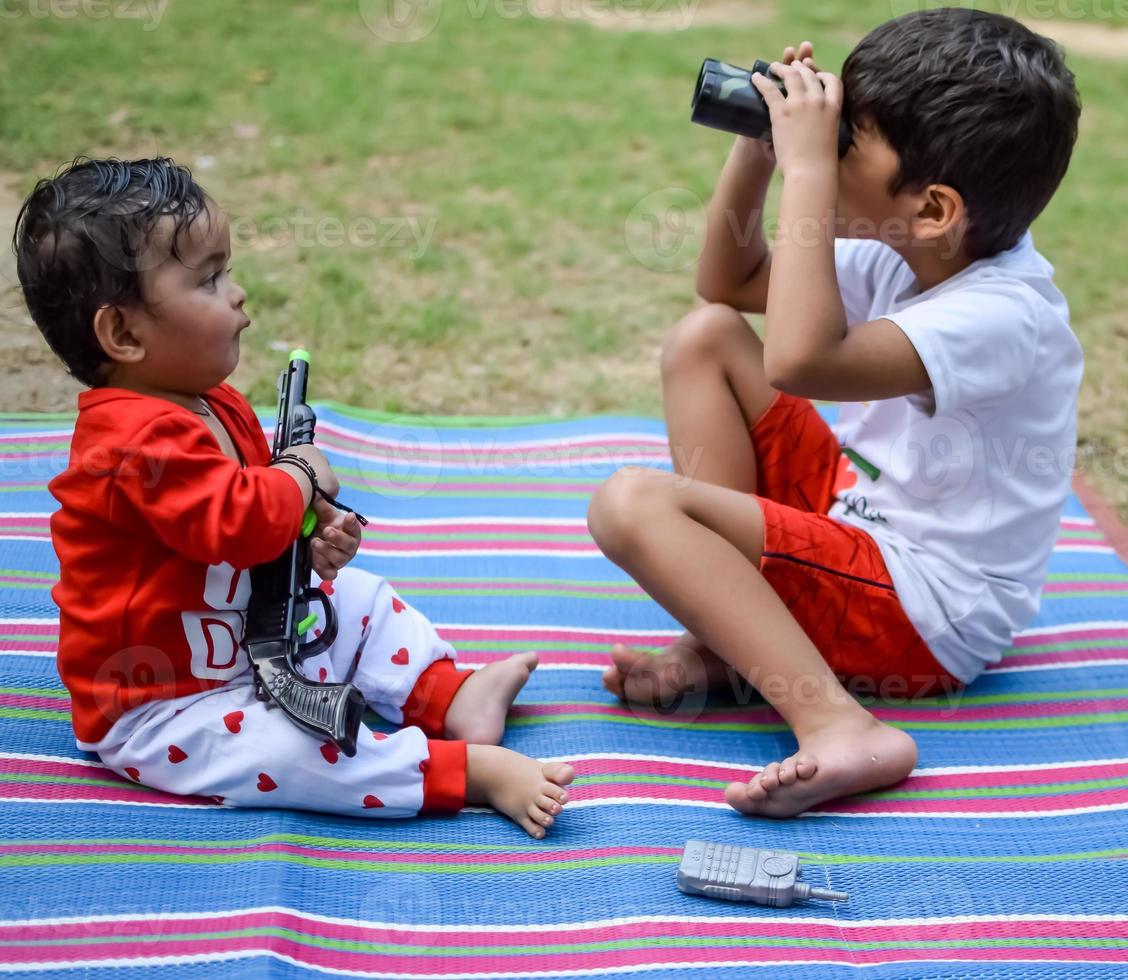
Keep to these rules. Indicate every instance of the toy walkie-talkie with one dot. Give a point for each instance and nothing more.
(746, 874)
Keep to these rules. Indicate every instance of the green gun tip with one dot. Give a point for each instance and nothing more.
(300, 355)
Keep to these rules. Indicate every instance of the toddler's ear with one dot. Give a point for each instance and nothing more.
(112, 330)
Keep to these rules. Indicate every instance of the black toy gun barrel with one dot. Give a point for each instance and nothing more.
(278, 613)
(725, 99)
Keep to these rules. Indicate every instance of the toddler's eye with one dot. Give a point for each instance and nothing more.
(211, 280)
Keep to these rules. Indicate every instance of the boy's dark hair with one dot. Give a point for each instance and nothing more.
(974, 100)
(82, 239)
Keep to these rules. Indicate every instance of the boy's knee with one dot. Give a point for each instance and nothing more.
(624, 506)
(705, 334)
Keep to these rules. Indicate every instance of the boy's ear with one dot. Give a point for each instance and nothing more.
(112, 330)
(941, 215)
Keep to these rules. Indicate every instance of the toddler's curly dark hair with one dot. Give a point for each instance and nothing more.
(82, 239)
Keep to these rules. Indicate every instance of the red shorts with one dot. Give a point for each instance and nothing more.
(831, 575)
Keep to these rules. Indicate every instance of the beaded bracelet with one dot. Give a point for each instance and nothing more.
(306, 467)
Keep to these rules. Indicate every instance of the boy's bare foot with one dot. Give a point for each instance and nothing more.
(661, 680)
(529, 792)
(477, 713)
(840, 760)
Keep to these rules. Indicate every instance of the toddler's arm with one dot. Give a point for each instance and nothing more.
(175, 483)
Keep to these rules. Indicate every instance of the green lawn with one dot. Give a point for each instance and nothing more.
(495, 178)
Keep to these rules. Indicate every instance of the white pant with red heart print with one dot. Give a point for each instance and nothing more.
(226, 743)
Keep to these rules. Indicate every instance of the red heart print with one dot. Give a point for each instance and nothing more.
(265, 783)
(845, 477)
(397, 605)
(317, 632)
(322, 673)
(133, 774)
(371, 801)
(326, 587)
(364, 623)
(379, 736)
(330, 751)
(232, 720)
(400, 657)
(424, 765)
(176, 754)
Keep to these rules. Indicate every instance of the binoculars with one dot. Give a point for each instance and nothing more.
(726, 99)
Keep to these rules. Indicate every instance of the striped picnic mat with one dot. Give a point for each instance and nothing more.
(1003, 855)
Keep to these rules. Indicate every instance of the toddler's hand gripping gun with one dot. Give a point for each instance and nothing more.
(279, 611)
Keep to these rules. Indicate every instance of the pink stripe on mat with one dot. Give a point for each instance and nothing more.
(764, 927)
(400, 857)
(524, 964)
(1067, 772)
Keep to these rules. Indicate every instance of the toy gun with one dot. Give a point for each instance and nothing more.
(746, 874)
(279, 614)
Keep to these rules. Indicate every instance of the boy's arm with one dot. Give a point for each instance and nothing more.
(807, 349)
(735, 260)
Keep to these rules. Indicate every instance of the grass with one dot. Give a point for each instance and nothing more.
(457, 224)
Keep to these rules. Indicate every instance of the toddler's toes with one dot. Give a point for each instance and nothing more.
(805, 765)
(539, 816)
(560, 773)
(753, 789)
(613, 681)
(548, 804)
(769, 778)
(742, 796)
(787, 773)
(531, 827)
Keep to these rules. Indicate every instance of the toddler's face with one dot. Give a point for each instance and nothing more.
(193, 310)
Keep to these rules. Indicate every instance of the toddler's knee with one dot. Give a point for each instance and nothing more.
(705, 334)
(622, 509)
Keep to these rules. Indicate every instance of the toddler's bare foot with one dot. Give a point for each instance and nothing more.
(477, 713)
(529, 792)
(840, 760)
(662, 679)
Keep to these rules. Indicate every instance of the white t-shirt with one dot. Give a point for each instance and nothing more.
(962, 486)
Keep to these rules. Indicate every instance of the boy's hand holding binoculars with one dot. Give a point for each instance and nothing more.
(805, 122)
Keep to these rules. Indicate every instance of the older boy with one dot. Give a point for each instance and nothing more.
(906, 547)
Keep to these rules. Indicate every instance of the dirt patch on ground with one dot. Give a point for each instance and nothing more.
(34, 380)
(1085, 38)
(655, 15)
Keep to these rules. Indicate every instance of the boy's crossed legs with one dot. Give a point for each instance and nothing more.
(698, 547)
